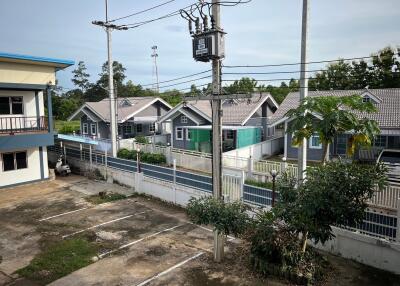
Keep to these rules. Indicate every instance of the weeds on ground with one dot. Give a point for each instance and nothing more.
(103, 197)
(59, 259)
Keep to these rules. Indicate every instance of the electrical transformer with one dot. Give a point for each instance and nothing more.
(208, 46)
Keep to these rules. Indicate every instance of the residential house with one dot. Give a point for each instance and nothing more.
(244, 122)
(25, 129)
(136, 116)
(387, 102)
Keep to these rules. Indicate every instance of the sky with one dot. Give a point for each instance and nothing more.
(260, 32)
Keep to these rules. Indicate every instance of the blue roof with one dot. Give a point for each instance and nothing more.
(55, 62)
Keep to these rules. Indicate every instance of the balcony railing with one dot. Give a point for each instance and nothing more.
(13, 125)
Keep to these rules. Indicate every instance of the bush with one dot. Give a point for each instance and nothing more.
(142, 140)
(264, 185)
(229, 218)
(149, 158)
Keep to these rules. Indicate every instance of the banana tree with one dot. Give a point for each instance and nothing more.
(329, 116)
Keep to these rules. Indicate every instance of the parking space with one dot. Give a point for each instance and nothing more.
(140, 238)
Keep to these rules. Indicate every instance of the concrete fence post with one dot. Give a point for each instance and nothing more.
(398, 221)
(174, 185)
(250, 167)
(242, 181)
(90, 156)
(105, 164)
(80, 151)
(283, 165)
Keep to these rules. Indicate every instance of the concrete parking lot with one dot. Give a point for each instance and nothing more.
(142, 239)
(139, 241)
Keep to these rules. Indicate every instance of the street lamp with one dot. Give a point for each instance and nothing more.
(274, 173)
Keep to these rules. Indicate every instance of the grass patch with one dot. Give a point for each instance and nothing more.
(59, 259)
(104, 198)
(67, 127)
(264, 185)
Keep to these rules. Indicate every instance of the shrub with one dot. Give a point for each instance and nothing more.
(149, 158)
(264, 185)
(142, 140)
(227, 218)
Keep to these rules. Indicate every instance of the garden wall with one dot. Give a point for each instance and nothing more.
(368, 250)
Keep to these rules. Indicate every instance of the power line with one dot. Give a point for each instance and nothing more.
(178, 12)
(178, 78)
(295, 64)
(179, 83)
(142, 11)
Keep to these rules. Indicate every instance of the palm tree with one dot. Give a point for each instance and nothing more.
(329, 116)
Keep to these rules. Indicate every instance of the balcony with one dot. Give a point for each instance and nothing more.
(23, 125)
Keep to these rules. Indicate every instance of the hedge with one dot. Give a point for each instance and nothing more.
(144, 157)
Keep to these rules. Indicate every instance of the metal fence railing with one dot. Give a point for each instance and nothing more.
(21, 124)
(374, 224)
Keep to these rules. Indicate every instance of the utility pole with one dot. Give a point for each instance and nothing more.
(217, 132)
(113, 120)
(302, 149)
(155, 69)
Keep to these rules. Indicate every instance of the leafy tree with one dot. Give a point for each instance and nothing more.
(67, 107)
(228, 219)
(119, 75)
(383, 72)
(81, 77)
(334, 194)
(243, 85)
(329, 116)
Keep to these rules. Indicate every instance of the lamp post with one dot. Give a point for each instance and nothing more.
(274, 173)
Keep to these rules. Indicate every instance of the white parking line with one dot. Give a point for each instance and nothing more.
(104, 223)
(170, 269)
(139, 240)
(62, 214)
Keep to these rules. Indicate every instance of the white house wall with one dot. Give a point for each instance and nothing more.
(32, 173)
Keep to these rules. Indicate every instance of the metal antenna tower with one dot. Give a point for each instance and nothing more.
(154, 55)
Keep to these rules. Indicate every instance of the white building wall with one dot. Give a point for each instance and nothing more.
(31, 173)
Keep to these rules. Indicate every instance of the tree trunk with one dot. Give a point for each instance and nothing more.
(325, 157)
(304, 241)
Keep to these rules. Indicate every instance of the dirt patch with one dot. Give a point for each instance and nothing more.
(106, 235)
(156, 251)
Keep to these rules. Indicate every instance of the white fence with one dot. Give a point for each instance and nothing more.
(387, 198)
(257, 151)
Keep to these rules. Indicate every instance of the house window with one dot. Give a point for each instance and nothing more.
(85, 129)
(179, 133)
(341, 145)
(188, 134)
(380, 141)
(93, 129)
(315, 142)
(14, 161)
(270, 131)
(152, 127)
(139, 128)
(366, 99)
(127, 129)
(230, 134)
(184, 119)
(11, 105)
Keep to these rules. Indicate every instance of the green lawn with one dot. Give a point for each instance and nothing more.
(67, 127)
(59, 259)
(104, 198)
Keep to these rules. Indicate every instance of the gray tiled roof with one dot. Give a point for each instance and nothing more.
(387, 116)
(234, 113)
(103, 108)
